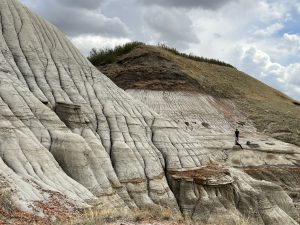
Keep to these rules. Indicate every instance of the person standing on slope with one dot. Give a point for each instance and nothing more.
(237, 137)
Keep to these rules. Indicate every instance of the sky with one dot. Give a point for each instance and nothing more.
(261, 37)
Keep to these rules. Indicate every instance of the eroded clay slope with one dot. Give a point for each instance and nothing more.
(212, 121)
(66, 128)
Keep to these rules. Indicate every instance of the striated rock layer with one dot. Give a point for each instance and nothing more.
(212, 121)
(67, 128)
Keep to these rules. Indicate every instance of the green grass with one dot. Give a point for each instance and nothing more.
(271, 111)
(110, 55)
(194, 57)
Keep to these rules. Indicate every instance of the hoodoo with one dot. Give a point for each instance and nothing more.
(68, 132)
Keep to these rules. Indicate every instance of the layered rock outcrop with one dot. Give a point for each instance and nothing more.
(66, 128)
(211, 121)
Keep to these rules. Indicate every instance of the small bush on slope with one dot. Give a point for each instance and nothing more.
(110, 55)
(6, 204)
(5, 196)
(5, 200)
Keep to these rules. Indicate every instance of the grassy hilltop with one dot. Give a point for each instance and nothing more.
(140, 66)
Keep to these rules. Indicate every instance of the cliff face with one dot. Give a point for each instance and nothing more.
(67, 130)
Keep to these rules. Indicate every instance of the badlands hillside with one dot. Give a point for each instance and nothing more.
(144, 67)
(209, 99)
(70, 139)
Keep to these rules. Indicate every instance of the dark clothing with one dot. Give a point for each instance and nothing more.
(237, 133)
(236, 143)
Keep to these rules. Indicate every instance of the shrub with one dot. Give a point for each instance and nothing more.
(110, 55)
(6, 200)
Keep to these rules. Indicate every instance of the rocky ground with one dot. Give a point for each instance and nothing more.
(72, 140)
(209, 117)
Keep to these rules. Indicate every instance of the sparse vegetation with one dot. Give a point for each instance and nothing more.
(231, 218)
(104, 216)
(158, 215)
(156, 68)
(5, 200)
(194, 57)
(6, 203)
(110, 55)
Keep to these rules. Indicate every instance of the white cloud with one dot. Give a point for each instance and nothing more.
(298, 7)
(269, 11)
(212, 5)
(86, 42)
(87, 4)
(293, 38)
(260, 64)
(297, 90)
(292, 42)
(292, 74)
(269, 30)
(171, 27)
(78, 17)
(219, 29)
